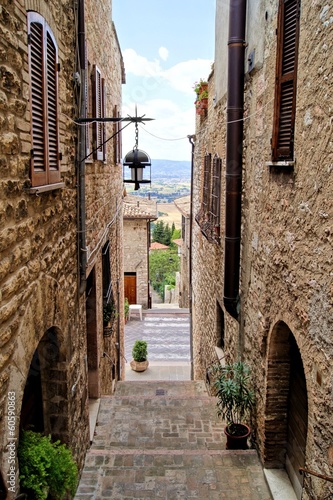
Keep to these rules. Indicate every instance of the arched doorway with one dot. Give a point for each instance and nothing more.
(45, 398)
(286, 415)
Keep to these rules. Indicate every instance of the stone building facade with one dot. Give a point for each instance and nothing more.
(54, 281)
(282, 321)
(139, 212)
(183, 204)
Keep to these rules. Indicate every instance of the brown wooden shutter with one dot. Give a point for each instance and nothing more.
(286, 79)
(87, 100)
(103, 145)
(216, 191)
(43, 60)
(97, 112)
(206, 186)
(52, 146)
(36, 56)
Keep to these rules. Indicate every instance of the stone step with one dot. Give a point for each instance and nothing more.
(149, 388)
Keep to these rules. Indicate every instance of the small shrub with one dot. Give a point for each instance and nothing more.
(139, 351)
(47, 470)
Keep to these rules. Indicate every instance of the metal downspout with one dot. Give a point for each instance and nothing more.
(82, 153)
(191, 138)
(234, 150)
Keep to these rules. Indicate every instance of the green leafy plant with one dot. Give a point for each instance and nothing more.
(198, 86)
(47, 470)
(140, 351)
(234, 393)
(109, 310)
(126, 307)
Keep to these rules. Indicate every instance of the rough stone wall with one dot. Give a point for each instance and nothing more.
(286, 254)
(207, 267)
(136, 256)
(287, 241)
(38, 252)
(185, 266)
(104, 191)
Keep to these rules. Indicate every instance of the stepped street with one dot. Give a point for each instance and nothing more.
(162, 438)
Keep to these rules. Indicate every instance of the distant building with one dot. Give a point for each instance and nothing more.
(139, 212)
(184, 205)
(157, 246)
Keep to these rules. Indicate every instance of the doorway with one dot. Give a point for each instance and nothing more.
(286, 413)
(130, 287)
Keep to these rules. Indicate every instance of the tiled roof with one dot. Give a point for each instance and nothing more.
(184, 205)
(138, 207)
(178, 241)
(158, 246)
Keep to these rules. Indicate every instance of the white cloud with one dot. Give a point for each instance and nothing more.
(168, 97)
(166, 136)
(139, 65)
(181, 76)
(163, 53)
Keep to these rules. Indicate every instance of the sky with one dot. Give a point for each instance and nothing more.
(167, 45)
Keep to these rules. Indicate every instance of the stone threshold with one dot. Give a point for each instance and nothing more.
(279, 484)
(93, 413)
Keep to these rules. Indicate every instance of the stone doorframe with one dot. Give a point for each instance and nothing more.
(277, 391)
(44, 309)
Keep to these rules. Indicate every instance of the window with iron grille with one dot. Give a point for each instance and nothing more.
(208, 217)
(43, 70)
(216, 195)
(206, 184)
(99, 101)
(286, 79)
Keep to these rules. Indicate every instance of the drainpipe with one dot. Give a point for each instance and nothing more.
(82, 153)
(191, 138)
(234, 150)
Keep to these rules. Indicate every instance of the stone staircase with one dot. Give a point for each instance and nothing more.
(163, 440)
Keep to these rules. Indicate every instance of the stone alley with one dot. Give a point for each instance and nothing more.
(162, 438)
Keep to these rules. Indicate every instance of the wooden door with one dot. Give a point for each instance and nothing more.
(297, 419)
(130, 288)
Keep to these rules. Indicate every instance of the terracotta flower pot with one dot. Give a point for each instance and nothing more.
(139, 366)
(238, 441)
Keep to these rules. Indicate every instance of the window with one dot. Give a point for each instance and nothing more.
(43, 68)
(208, 217)
(117, 138)
(216, 195)
(286, 73)
(99, 100)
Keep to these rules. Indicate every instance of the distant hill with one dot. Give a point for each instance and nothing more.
(171, 169)
(170, 179)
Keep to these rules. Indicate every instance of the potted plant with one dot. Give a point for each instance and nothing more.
(139, 352)
(235, 400)
(109, 315)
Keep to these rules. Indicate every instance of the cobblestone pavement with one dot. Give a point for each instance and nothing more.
(162, 440)
(167, 332)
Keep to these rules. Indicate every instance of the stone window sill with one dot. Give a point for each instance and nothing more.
(44, 189)
(281, 164)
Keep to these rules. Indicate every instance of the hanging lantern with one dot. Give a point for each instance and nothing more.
(137, 160)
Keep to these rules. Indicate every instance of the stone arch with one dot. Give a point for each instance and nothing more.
(284, 365)
(43, 323)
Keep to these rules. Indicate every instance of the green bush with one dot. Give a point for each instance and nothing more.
(47, 470)
(139, 351)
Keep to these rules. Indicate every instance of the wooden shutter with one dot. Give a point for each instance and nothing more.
(103, 145)
(206, 186)
(52, 146)
(87, 93)
(97, 112)
(43, 60)
(216, 191)
(286, 79)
